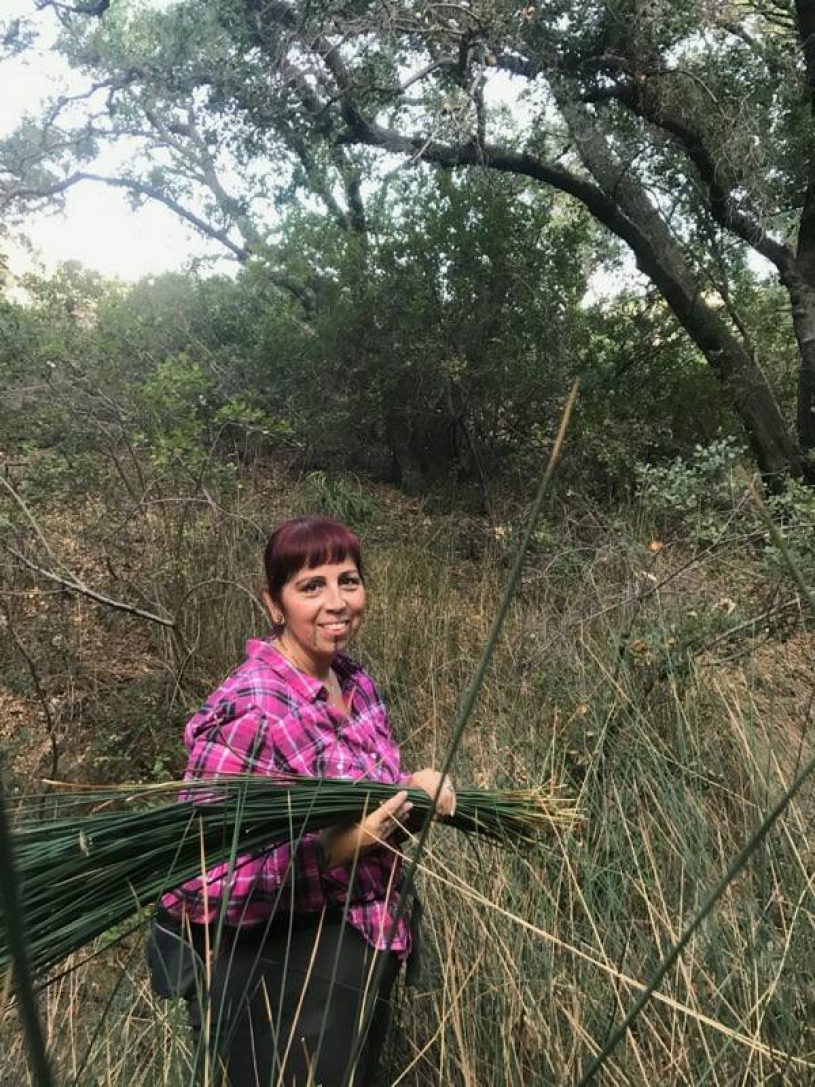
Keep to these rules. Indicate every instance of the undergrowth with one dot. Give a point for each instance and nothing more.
(662, 677)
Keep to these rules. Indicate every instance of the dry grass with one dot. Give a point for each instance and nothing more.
(603, 681)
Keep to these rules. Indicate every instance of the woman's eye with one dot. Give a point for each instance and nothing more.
(311, 586)
(350, 582)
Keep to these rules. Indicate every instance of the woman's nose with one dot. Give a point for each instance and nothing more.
(334, 600)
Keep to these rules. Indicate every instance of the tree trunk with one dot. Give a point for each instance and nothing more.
(661, 259)
(803, 317)
(408, 474)
(773, 445)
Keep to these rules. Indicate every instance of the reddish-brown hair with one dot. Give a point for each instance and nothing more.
(306, 542)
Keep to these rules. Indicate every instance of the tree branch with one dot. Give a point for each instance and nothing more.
(353, 219)
(241, 253)
(208, 176)
(805, 24)
(472, 153)
(74, 585)
(805, 20)
(722, 206)
(720, 202)
(41, 192)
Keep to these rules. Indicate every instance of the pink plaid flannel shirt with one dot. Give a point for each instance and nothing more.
(267, 717)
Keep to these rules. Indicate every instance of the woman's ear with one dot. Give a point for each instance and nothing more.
(274, 610)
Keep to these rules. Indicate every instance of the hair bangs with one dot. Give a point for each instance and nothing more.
(305, 542)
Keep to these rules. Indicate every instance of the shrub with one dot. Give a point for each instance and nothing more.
(339, 496)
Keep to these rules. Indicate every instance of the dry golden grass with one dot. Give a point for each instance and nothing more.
(673, 753)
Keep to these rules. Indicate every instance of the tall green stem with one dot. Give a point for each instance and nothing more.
(10, 898)
(465, 710)
(742, 857)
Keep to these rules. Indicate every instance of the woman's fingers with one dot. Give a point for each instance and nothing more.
(447, 797)
(342, 844)
(392, 814)
(438, 788)
(392, 806)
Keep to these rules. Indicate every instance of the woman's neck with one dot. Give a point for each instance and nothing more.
(317, 667)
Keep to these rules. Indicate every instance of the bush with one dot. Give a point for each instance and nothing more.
(340, 496)
(706, 496)
(699, 492)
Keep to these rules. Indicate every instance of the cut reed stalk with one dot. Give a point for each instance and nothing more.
(84, 872)
(470, 695)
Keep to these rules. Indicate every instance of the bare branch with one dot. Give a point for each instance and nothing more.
(20, 501)
(74, 585)
(241, 253)
(443, 64)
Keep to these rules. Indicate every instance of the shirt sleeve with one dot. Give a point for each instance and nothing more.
(260, 742)
(297, 864)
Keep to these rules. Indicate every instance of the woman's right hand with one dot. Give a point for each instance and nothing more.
(341, 844)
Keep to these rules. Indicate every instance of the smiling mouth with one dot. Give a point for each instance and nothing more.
(335, 628)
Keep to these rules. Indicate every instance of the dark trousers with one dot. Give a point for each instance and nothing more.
(285, 1009)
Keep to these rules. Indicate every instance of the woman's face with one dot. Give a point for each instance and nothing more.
(322, 608)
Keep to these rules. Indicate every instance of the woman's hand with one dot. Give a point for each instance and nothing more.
(341, 844)
(428, 781)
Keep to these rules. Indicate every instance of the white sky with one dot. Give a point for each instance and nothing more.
(97, 227)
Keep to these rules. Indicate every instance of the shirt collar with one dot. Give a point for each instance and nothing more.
(303, 684)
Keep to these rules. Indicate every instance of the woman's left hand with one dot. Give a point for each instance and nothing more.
(428, 781)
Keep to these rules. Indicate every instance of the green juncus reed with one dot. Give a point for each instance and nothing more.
(741, 859)
(108, 853)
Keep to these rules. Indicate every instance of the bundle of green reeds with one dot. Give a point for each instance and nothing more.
(106, 854)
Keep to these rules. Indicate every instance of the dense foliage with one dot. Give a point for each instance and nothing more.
(684, 131)
(441, 358)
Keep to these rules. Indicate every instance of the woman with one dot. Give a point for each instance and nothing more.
(275, 953)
